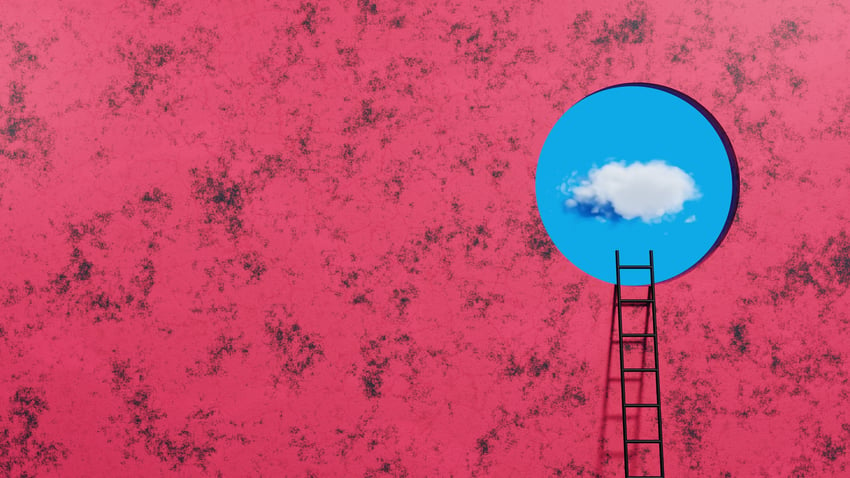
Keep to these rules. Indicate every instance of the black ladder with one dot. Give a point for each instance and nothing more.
(649, 301)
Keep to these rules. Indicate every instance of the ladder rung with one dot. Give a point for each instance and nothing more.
(640, 370)
(644, 476)
(643, 441)
(636, 301)
(642, 405)
(637, 335)
(635, 267)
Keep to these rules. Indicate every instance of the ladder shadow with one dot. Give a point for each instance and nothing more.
(611, 402)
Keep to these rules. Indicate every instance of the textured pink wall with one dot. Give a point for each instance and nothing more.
(277, 239)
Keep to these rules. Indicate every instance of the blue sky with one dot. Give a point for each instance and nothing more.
(633, 124)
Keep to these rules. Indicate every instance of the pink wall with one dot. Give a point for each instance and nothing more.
(267, 239)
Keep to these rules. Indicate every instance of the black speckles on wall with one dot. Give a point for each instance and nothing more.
(296, 350)
(26, 140)
(24, 450)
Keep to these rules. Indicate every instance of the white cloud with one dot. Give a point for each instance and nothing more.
(691, 219)
(649, 191)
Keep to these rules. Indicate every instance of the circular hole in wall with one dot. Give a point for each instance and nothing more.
(637, 167)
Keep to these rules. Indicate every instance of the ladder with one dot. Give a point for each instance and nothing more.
(649, 302)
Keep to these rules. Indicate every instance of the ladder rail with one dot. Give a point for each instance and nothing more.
(655, 352)
(622, 363)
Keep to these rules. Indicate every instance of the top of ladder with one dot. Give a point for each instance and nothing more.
(649, 267)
